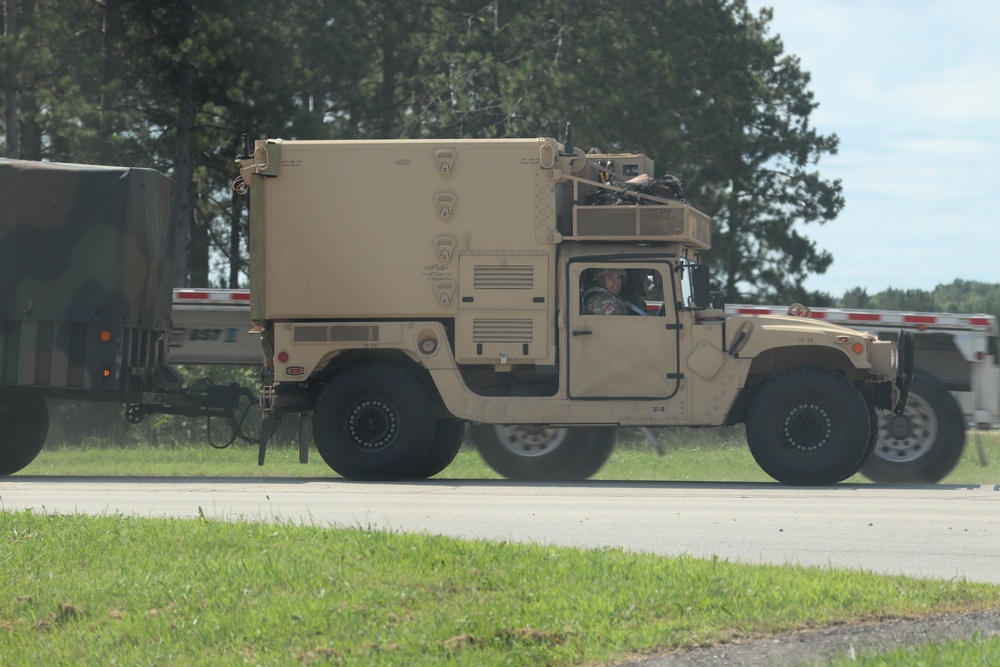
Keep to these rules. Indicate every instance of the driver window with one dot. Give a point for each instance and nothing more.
(617, 291)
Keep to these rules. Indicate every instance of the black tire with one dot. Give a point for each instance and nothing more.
(373, 422)
(543, 453)
(448, 437)
(922, 445)
(872, 430)
(809, 426)
(24, 424)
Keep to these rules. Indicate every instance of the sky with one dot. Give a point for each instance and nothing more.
(912, 89)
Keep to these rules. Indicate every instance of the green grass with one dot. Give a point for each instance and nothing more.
(709, 455)
(978, 652)
(133, 591)
(117, 590)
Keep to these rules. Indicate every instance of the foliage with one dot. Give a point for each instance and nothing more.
(960, 296)
(703, 87)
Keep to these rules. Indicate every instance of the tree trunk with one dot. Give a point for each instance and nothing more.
(10, 85)
(198, 251)
(235, 215)
(387, 91)
(30, 142)
(110, 31)
(183, 170)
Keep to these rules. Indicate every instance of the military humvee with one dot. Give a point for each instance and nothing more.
(404, 288)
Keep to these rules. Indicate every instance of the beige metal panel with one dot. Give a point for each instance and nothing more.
(354, 229)
(505, 303)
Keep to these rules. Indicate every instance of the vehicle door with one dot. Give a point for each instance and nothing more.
(622, 354)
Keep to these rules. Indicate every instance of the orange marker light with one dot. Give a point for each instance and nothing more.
(105, 335)
(858, 348)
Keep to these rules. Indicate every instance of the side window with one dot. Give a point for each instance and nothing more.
(617, 291)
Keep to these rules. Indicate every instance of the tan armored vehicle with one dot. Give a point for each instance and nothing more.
(404, 288)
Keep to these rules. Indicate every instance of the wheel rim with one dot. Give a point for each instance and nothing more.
(530, 441)
(908, 436)
(807, 428)
(372, 423)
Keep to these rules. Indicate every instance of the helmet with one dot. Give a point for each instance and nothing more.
(605, 272)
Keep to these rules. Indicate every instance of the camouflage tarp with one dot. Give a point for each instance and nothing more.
(82, 243)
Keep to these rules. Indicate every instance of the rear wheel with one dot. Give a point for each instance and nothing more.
(543, 453)
(23, 427)
(373, 422)
(925, 442)
(448, 437)
(809, 426)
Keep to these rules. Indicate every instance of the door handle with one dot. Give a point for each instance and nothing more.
(582, 333)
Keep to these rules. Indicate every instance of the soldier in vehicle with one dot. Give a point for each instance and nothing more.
(638, 285)
(604, 297)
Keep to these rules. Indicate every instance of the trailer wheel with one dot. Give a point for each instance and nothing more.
(925, 442)
(543, 453)
(448, 437)
(809, 426)
(373, 422)
(23, 427)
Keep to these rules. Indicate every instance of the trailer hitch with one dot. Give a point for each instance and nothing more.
(203, 398)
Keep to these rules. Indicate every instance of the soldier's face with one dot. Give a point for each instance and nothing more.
(612, 282)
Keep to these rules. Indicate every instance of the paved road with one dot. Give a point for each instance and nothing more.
(939, 531)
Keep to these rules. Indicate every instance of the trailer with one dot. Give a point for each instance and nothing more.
(85, 300)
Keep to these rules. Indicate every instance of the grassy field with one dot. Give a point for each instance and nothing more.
(130, 591)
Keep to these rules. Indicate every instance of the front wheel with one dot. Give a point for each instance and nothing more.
(809, 426)
(373, 422)
(924, 443)
(527, 452)
(24, 424)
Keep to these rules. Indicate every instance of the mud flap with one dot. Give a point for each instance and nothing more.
(904, 372)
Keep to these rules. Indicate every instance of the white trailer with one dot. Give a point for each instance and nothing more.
(212, 326)
(956, 384)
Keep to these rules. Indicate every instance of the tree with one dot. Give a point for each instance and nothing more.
(856, 297)
(701, 87)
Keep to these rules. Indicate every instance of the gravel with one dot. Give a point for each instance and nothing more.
(818, 646)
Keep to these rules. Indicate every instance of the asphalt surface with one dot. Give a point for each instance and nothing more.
(929, 531)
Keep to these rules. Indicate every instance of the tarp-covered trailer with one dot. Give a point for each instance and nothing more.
(86, 273)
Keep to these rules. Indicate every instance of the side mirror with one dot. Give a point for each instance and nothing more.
(701, 290)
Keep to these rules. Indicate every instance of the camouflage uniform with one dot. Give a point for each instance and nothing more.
(599, 301)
